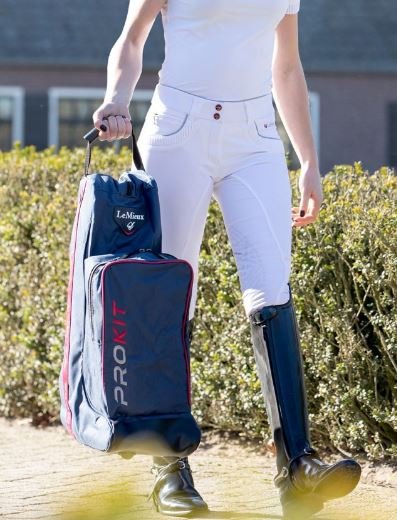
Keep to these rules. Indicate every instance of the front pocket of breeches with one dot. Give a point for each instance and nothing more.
(166, 126)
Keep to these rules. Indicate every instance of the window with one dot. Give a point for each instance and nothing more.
(71, 109)
(11, 116)
(314, 105)
(392, 134)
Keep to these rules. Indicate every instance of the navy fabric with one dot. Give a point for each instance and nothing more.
(107, 196)
(125, 378)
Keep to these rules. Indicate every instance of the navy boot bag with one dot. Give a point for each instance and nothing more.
(125, 378)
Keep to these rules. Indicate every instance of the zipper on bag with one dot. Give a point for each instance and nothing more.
(162, 259)
(90, 299)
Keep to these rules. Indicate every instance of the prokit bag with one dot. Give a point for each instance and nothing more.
(125, 378)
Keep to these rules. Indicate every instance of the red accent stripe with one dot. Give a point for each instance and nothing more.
(185, 313)
(65, 365)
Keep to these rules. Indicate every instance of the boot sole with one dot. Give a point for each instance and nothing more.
(339, 482)
(187, 513)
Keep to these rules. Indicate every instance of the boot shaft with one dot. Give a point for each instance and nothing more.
(279, 363)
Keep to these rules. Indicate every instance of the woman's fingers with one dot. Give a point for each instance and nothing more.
(317, 200)
(99, 123)
(310, 187)
(113, 128)
(113, 121)
(128, 128)
(304, 203)
(313, 209)
(303, 221)
(119, 127)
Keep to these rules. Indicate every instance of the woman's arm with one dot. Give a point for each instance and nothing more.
(290, 94)
(124, 70)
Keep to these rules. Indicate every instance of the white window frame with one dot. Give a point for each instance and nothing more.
(314, 103)
(138, 95)
(18, 115)
(55, 94)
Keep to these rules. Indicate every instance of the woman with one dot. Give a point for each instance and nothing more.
(210, 131)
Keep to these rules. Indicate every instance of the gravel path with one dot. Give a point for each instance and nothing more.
(44, 473)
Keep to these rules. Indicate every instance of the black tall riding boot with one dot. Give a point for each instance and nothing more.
(303, 480)
(173, 490)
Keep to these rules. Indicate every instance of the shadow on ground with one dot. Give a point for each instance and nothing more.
(117, 501)
(236, 515)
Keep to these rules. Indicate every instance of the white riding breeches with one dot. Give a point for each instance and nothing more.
(197, 148)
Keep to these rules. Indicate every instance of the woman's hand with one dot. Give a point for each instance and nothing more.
(113, 121)
(311, 191)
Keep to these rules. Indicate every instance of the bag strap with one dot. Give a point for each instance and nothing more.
(90, 138)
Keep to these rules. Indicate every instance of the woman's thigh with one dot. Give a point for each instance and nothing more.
(256, 207)
(184, 191)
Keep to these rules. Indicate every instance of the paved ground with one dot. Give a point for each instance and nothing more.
(45, 474)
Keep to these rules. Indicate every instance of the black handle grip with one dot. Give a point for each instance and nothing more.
(93, 134)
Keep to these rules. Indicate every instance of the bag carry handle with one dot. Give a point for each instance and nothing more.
(90, 138)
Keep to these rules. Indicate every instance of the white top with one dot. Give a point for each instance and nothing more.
(221, 49)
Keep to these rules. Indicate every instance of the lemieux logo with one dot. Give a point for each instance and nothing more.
(128, 219)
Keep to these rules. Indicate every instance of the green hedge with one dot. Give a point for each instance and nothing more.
(344, 282)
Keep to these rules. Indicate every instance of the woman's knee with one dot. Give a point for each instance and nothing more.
(256, 299)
